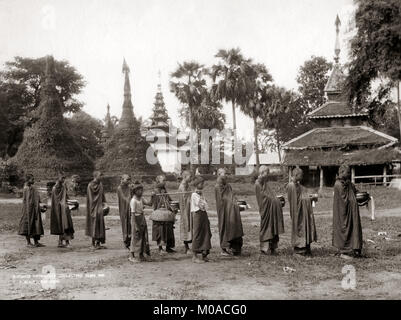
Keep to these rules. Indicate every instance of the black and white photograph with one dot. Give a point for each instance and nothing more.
(189, 150)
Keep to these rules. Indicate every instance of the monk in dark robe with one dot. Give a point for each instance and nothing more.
(124, 194)
(30, 224)
(228, 215)
(271, 214)
(162, 231)
(95, 227)
(347, 229)
(301, 212)
(201, 233)
(185, 210)
(60, 216)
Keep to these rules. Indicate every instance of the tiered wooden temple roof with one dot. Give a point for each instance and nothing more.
(342, 134)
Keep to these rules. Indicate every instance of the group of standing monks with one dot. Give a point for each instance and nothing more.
(194, 222)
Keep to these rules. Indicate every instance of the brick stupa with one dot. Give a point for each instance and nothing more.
(125, 152)
(48, 147)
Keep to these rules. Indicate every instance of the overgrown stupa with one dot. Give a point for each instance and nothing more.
(126, 151)
(48, 147)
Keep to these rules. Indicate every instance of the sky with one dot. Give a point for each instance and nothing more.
(152, 35)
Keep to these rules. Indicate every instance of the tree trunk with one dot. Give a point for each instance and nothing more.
(234, 117)
(191, 166)
(235, 133)
(278, 146)
(255, 135)
(399, 106)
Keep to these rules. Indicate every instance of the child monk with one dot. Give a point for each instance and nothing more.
(185, 211)
(271, 214)
(201, 233)
(347, 228)
(139, 235)
(31, 221)
(95, 227)
(162, 231)
(124, 195)
(301, 212)
(60, 216)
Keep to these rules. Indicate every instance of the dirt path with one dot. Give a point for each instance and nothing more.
(107, 274)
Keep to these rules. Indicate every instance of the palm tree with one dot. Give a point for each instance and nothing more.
(231, 79)
(188, 85)
(255, 101)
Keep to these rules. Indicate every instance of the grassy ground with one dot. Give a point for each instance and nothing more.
(108, 274)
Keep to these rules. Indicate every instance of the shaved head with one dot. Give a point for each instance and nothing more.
(297, 174)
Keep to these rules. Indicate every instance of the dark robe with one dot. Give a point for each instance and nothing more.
(60, 215)
(95, 198)
(271, 215)
(229, 218)
(301, 212)
(201, 233)
(124, 194)
(139, 237)
(31, 220)
(162, 232)
(185, 212)
(347, 229)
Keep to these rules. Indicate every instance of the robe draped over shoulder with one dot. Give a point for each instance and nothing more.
(301, 212)
(228, 214)
(270, 210)
(185, 212)
(95, 227)
(60, 216)
(347, 229)
(124, 194)
(31, 220)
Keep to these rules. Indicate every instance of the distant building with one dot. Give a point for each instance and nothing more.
(269, 159)
(342, 136)
(168, 147)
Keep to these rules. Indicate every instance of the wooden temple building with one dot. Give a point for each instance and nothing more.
(341, 135)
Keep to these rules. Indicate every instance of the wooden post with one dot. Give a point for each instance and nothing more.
(385, 175)
(321, 179)
(353, 174)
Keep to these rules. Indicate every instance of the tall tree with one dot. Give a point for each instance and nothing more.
(282, 114)
(375, 48)
(232, 78)
(312, 78)
(256, 98)
(87, 132)
(209, 116)
(189, 86)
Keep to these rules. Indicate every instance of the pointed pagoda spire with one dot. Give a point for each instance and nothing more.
(127, 85)
(127, 115)
(333, 86)
(108, 128)
(337, 48)
(160, 116)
